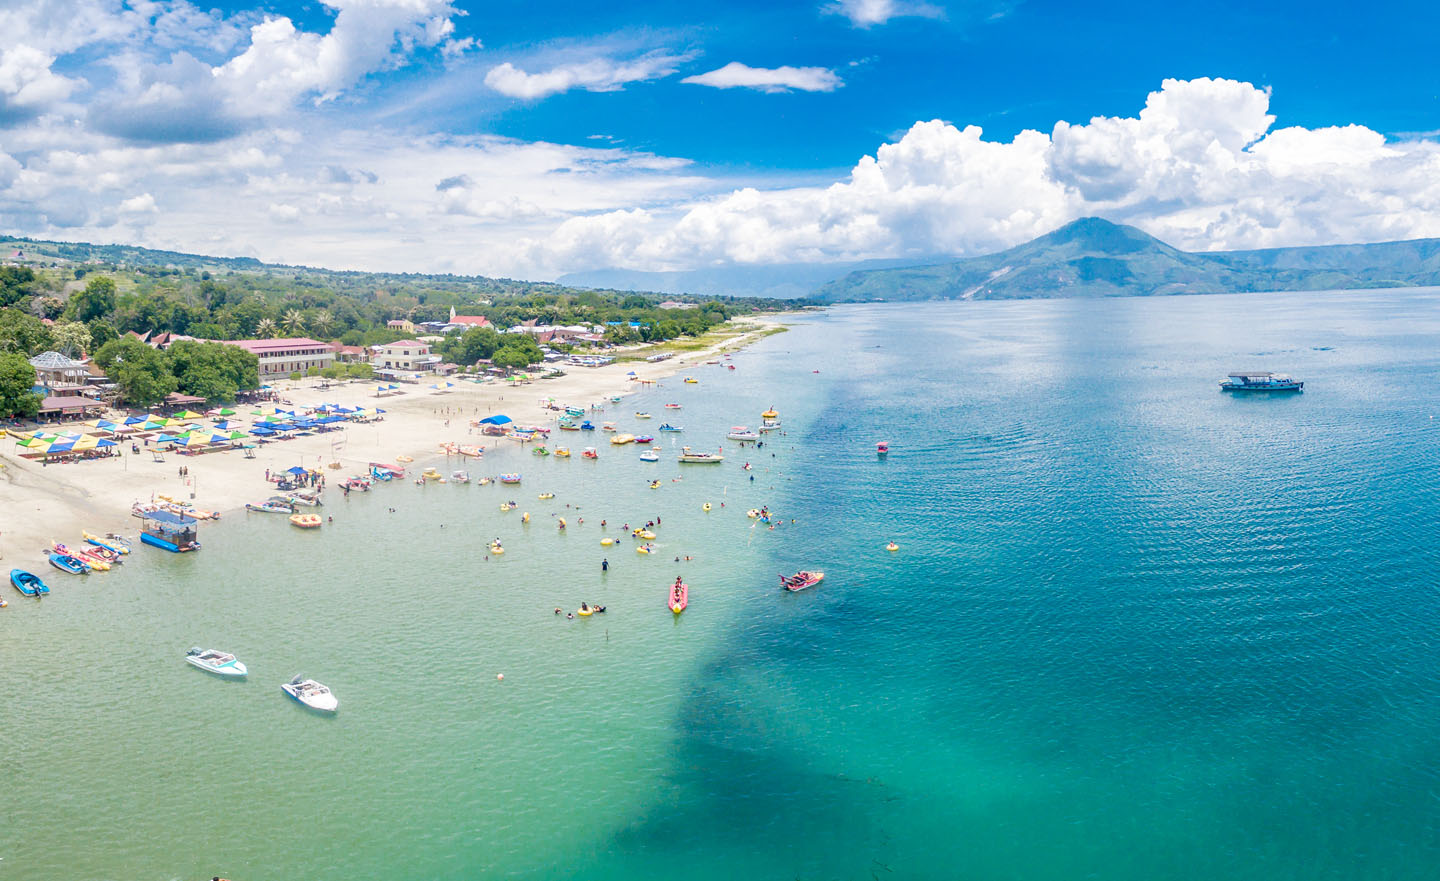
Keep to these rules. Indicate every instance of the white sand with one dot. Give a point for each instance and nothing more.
(40, 503)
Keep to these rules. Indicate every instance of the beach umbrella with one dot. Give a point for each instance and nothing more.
(166, 439)
(63, 446)
(189, 414)
(226, 411)
(86, 443)
(297, 470)
(151, 426)
(136, 420)
(262, 431)
(236, 435)
(498, 419)
(224, 425)
(105, 425)
(104, 442)
(194, 440)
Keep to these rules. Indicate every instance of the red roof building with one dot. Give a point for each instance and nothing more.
(283, 356)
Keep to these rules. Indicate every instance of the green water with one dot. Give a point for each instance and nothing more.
(1136, 629)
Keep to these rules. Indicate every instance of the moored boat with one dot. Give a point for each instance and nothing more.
(649, 456)
(109, 542)
(672, 406)
(801, 580)
(460, 477)
(644, 438)
(590, 453)
(269, 508)
(665, 426)
(622, 439)
(587, 425)
(743, 434)
(562, 452)
(28, 583)
(83, 556)
(882, 448)
(1261, 381)
(642, 416)
(67, 563)
(216, 662)
(311, 694)
(688, 455)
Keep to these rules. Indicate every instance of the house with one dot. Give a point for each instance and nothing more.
(55, 374)
(286, 355)
(401, 324)
(404, 355)
(676, 304)
(350, 354)
(468, 321)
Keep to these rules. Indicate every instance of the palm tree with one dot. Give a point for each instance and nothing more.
(293, 322)
(321, 322)
(265, 327)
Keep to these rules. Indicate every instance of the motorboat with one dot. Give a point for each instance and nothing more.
(608, 426)
(269, 508)
(217, 662)
(649, 456)
(679, 597)
(510, 478)
(306, 499)
(672, 406)
(644, 438)
(691, 380)
(306, 521)
(882, 448)
(110, 542)
(665, 426)
(28, 583)
(688, 455)
(311, 694)
(460, 477)
(743, 434)
(801, 580)
(643, 416)
(587, 425)
(1261, 381)
(67, 563)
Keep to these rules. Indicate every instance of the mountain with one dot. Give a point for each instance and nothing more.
(781, 280)
(1092, 257)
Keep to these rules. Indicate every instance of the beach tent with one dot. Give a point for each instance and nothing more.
(262, 431)
(151, 426)
(105, 425)
(497, 419)
(136, 420)
(236, 435)
(59, 446)
(297, 470)
(224, 425)
(104, 442)
(86, 443)
(189, 414)
(167, 439)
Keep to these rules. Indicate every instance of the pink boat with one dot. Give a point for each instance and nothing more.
(679, 596)
(882, 448)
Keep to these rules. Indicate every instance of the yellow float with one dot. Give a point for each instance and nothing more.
(305, 521)
(607, 542)
(496, 549)
(404, 458)
(705, 507)
(525, 518)
(585, 612)
(546, 496)
(892, 546)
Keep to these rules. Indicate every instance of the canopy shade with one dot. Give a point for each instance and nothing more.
(497, 419)
(296, 470)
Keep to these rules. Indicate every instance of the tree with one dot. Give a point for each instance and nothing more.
(360, 370)
(102, 332)
(510, 358)
(17, 378)
(265, 328)
(23, 333)
(17, 284)
(141, 372)
(71, 338)
(96, 301)
(213, 371)
(474, 344)
(293, 322)
(321, 321)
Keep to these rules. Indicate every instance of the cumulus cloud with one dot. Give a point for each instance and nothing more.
(141, 204)
(866, 13)
(1199, 166)
(595, 75)
(766, 79)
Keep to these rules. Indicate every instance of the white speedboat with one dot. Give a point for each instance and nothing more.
(741, 433)
(649, 456)
(217, 662)
(312, 694)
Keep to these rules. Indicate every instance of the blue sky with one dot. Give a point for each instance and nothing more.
(533, 139)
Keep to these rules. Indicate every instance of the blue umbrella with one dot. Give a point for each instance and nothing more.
(496, 420)
(262, 430)
(296, 470)
(166, 439)
(105, 442)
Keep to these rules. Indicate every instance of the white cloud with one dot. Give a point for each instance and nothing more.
(595, 75)
(765, 79)
(865, 13)
(1199, 167)
(26, 79)
(141, 204)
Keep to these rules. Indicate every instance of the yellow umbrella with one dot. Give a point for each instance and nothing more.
(190, 414)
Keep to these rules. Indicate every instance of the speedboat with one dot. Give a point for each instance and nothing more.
(312, 694)
(217, 662)
(649, 456)
(587, 425)
(665, 426)
(801, 580)
(882, 448)
(687, 455)
(269, 508)
(672, 406)
(642, 416)
(679, 597)
(67, 563)
(28, 583)
(743, 434)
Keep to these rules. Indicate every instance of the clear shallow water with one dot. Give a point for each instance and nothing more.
(1137, 628)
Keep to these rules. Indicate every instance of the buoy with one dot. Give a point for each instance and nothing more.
(500, 676)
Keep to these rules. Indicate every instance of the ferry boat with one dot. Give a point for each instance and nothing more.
(1261, 381)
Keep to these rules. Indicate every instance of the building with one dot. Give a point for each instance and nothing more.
(466, 322)
(350, 354)
(281, 357)
(410, 356)
(676, 304)
(403, 325)
(56, 374)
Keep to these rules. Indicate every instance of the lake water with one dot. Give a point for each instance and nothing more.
(1137, 628)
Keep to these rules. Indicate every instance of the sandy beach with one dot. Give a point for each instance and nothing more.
(55, 502)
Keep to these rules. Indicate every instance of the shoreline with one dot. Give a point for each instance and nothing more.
(57, 502)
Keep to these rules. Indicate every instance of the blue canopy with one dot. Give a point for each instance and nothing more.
(262, 430)
(166, 439)
(496, 420)
(170, 517)
(296, 470)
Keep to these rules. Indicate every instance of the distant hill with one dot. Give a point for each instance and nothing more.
(1092, 257)
(780, 281)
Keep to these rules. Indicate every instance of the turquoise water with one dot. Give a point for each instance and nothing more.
(1137, 628)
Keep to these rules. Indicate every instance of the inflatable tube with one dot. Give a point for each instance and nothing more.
(607, 542)
(497, 550)
(584, 613)
(705, 507)
(525, 518)
(892, 546)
